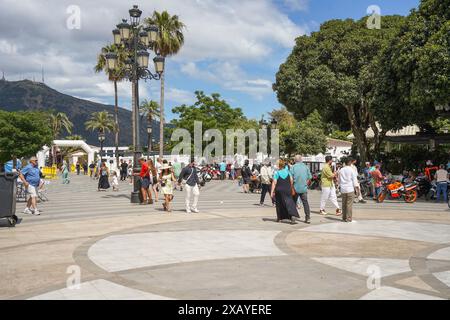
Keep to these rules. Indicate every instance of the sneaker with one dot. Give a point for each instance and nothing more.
(308, 221)
(188, 211)
(36, 212)
(195, 210)
(362, 201)
(323, 212)
(27, 211)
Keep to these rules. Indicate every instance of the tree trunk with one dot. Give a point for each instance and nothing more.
(360, 135)
(149, 142)
(161, 119)
(116, 120)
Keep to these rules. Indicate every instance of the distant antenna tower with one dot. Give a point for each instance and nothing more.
(43, 75)
(3, 76)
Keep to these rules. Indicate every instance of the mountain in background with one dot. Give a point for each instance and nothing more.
(36, 96)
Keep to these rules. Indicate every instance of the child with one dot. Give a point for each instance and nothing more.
(115, 181)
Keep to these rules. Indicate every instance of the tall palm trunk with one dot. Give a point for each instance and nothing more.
(161, 119)
(149, 135)
(116, 120)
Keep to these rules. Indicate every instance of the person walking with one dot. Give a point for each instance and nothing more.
(283, 192)
(301, 175)
(348, 182)
(246, 174)
(167, 179)
(441, 183)
(222, 169)
(266, 182)
(85, 168)
(115, 181)
(176, 170)
(359, 198)
(328, 187)
(123, 170)
(92, 170)
(31, 178)
(189, 175)
(154, 176)
(78, 167)
(65, 173)
(144, 176)
(103, 177)
(377, 180)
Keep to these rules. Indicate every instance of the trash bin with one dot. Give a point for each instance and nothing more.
(8, 197)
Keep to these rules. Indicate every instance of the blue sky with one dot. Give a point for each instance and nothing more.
(233, 47)
(309, 17)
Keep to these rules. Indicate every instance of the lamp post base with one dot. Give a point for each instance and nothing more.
(135, 197)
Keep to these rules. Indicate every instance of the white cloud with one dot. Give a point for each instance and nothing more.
(296, 5)
(221, 36)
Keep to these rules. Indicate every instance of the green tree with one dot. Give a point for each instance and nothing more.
(23, 134)
(332, 71)
(214, 113)
(59, 122)
(116, 75)
(306, 137)
(102, 122)
(169, 43)
(414, 75)
(150, 110)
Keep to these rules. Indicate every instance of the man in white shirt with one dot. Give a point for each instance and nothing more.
(348, 181)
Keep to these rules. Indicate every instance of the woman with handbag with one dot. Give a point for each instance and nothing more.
(167, 179)
(283, 192)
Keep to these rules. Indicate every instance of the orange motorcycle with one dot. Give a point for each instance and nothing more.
(397, 190)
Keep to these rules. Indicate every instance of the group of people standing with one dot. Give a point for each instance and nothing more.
(288, 186)
(166, 177)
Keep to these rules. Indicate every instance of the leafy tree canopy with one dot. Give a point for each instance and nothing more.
(22, 134)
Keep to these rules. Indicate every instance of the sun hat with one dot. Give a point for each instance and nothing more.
(165, 166)
(33, 159)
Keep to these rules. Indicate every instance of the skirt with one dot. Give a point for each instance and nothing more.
(103, 183)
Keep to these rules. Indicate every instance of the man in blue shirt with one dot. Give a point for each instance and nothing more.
(31, 178)
(302, 175)
(222, 169)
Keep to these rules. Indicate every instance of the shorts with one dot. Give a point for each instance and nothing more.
(31, 192)
(145, 182)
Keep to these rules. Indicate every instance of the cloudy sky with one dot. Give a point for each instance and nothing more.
(233, 47)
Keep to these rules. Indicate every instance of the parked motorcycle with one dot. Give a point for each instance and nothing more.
(315, 182)
(397, 190)
(432, 192)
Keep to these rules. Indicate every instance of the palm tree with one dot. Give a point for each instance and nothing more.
(115, 76)
(58, 122)
(102, 122)
(169, 42)
(149, 109)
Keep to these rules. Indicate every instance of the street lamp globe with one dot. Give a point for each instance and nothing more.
(159, 64)
(143, 57)
(124, 29)
(117, 37)
(149, 128)
(111, 60)
(144, 38)
(101, 136)
(152, 33)
(135, 15)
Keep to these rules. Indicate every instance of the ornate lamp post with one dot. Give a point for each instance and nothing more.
(149, 135)
(101, 138)
(137, 41)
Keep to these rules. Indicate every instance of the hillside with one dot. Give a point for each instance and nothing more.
(29, 95)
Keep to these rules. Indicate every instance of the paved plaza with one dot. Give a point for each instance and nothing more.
(232, 249)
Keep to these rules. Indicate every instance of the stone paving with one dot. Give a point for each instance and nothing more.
(233, 249)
